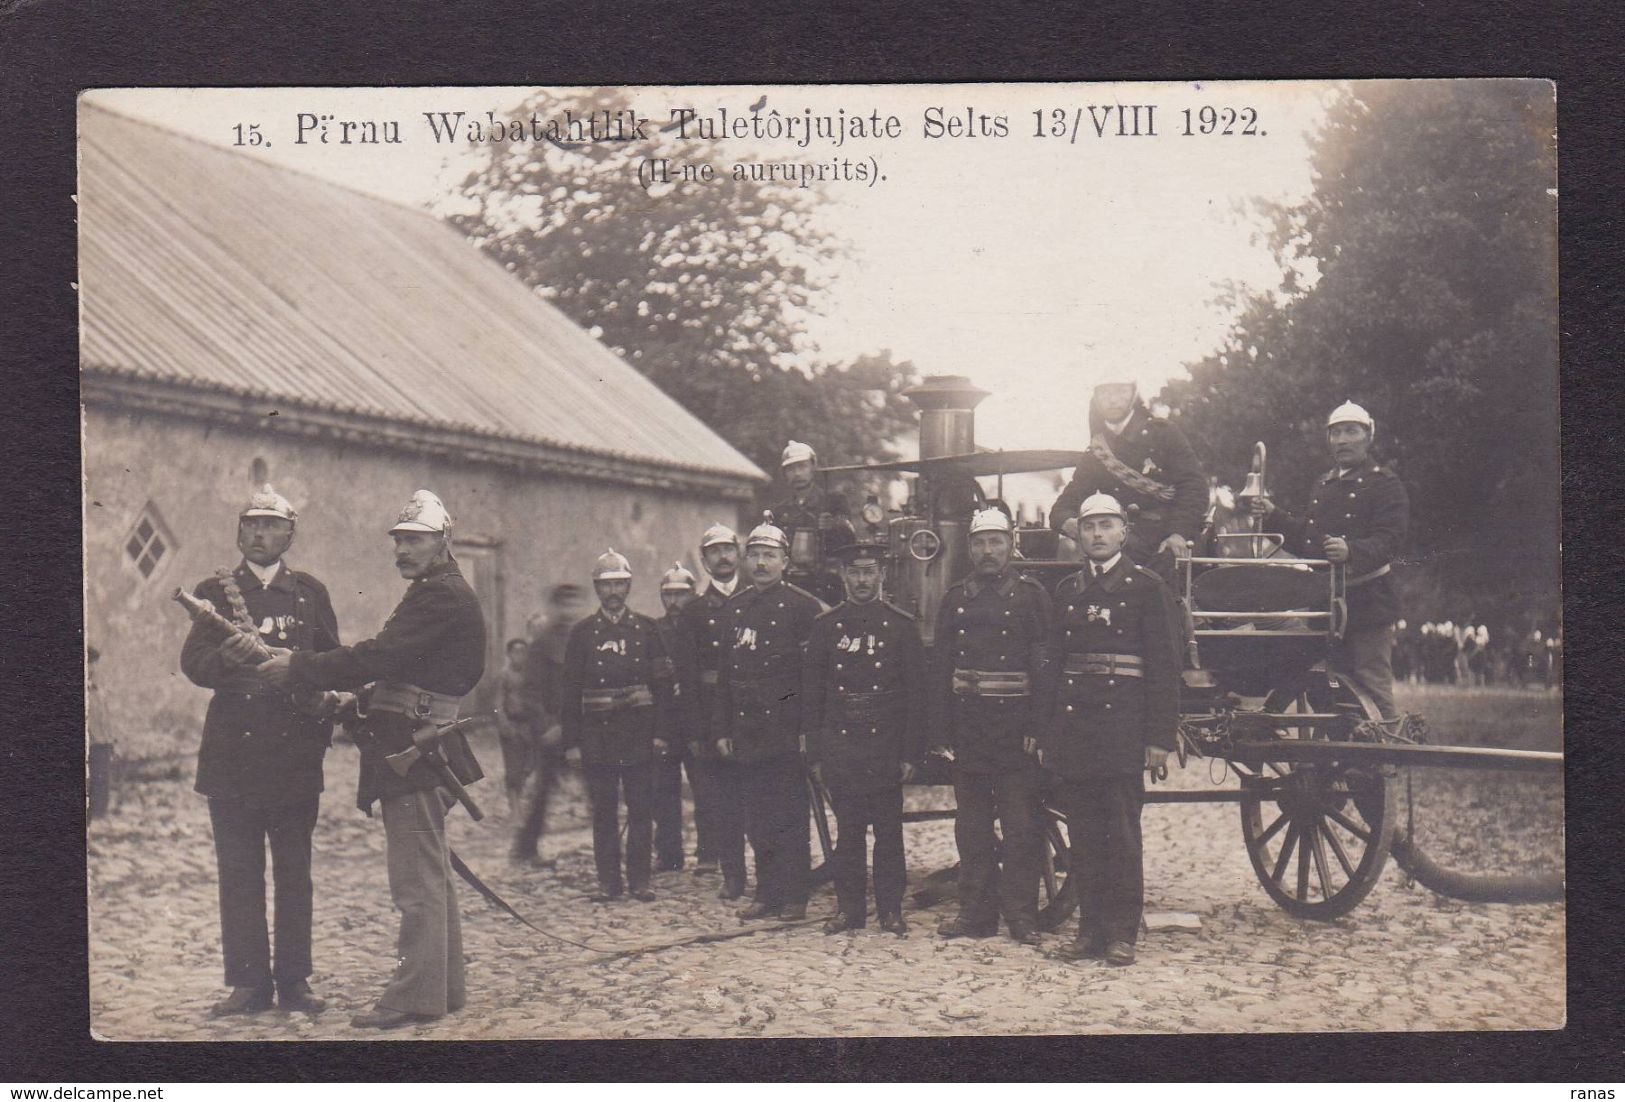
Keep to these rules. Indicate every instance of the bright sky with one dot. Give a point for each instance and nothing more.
(1038, 266)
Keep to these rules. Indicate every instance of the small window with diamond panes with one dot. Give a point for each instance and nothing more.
(149, 543)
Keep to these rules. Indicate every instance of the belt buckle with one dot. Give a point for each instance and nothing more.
(424, 707)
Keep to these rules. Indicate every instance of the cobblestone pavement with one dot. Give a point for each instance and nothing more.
(1404, 959)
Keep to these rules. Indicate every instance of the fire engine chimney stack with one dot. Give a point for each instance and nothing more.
(947, 414)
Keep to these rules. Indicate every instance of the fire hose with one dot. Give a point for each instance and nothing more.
(1470, 887)
(1474, 887)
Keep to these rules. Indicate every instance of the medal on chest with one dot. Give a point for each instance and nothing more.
(856, 644)
(1101, 613)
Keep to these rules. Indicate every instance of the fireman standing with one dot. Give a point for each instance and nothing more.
(616, 704)
(676, 590)
(863, 718)
(757, 721)
(988, 655)
(704, 637)
(1111, 709)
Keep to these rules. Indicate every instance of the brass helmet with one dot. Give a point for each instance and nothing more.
(611, 565)
(423, 513)
(677, 578)
(266, 502)
(770, 534)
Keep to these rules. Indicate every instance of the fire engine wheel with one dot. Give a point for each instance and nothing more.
(1318, 835)
(1059, 891)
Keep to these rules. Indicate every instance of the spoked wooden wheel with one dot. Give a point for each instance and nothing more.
(1318, 835)
(1059, 889)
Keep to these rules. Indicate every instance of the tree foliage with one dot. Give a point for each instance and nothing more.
(707, 288)
(1421, 282)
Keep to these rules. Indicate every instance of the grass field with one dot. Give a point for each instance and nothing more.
(1482, 820)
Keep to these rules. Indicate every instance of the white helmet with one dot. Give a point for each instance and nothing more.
(1100, 505)
(1349, 413)
(678, 577)
(989, 520)
(423, 513)
(611, 565)
(797, 452)
(266, 502)
(718, 533)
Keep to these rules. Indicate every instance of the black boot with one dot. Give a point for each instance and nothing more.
(299, 996)
(960, 926)
(242, 1000)
(840, 923)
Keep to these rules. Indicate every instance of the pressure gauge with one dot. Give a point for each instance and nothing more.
(924, 545)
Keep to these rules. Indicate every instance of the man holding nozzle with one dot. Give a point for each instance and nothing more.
(416, 671)
(260, 762)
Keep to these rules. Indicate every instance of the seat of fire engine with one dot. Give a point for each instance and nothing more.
(1255, 619)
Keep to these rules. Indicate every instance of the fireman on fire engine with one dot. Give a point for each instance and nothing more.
(1358, 514)
(816, 523)
(1143, 460)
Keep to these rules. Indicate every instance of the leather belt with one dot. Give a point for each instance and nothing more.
(1111, 665)
(866, 707)
(992, 683)
(409, 700)
(614, 700)
(1371, 576)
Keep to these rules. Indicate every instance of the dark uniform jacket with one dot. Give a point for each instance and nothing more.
(1368, 507)
(758, 701)
(1153, 447)
(993, 625)
(617, 689)
(702, 636)
(435, 640)
(1113, 684)
(256, 747)
(863, 695)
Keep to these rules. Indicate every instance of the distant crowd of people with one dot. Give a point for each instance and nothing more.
(1447, 653)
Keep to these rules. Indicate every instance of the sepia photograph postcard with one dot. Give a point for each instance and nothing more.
(821, 561)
